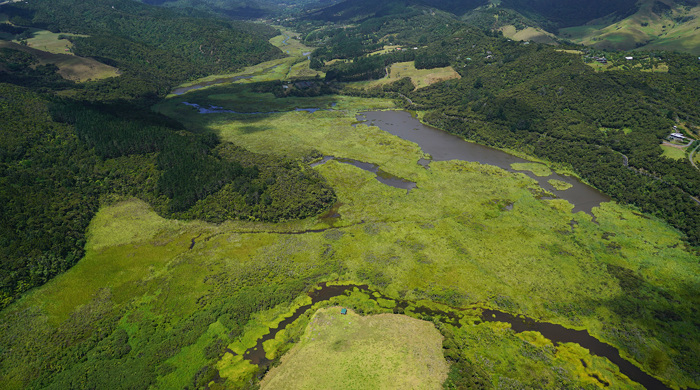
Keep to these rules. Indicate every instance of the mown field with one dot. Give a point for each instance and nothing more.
(354, 352)
(167, 304)
(673, 152)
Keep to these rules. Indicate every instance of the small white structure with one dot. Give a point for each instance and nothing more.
(629, 58)
(677, 137)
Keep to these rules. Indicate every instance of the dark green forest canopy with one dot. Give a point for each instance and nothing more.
(155, 48)
(545, 102)
(63, 158)
(58, 159)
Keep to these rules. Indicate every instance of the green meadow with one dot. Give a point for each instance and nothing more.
(453, 236)
(383, 351)
(70, 67)
(180, 302)
(673, 152)
(294, 65)
(419, 77)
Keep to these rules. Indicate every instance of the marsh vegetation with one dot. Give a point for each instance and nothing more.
(207, 238)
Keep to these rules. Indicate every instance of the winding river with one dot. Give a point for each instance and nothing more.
(556, 333)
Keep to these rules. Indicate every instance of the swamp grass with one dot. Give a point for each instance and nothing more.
(559, 185)
(627, 278)
(529, 260)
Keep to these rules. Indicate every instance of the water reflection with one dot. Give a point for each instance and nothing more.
(443, 146)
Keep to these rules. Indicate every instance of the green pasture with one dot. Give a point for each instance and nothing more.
(294, 66)
(673, 152)
(384, 351)
(419, 77)
(651, 31)
(70, 67)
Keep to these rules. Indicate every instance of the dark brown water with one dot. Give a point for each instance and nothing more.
(559, 334)
(556, 333)
(381, 176)
(443, 146)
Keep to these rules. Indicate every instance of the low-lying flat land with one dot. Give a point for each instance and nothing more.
(385, 351)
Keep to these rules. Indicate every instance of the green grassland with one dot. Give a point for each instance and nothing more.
(419, 77)
(528, 34)
(528, 259)
(70, 67)
(294, 66)
(647, 30)
(163, 299)
(51, 42)
(673, 152)
(384, 351)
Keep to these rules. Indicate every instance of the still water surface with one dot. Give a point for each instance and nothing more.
(443, 146)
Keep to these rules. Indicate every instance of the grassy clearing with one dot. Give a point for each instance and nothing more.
(290, 44)
(70, 67)
(538, 169)
(673, 152)
(51, 42)
(420, 77)
(385, 49)
(294, 66)
(570, 51)
(383, 351)
(528, 34)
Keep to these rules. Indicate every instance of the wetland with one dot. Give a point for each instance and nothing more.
(531, 278)
(443, 146)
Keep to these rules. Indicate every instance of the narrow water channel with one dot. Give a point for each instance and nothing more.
(381, 175)
(443, 146)
(556, 333)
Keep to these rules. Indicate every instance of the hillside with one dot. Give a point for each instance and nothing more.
(155, 48)
(615, 25)
(371, 194)
(238, 9)
(657, 25)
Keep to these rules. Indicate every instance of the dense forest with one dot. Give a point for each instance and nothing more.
(154, 48)
(62, 157)
(545, 102)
